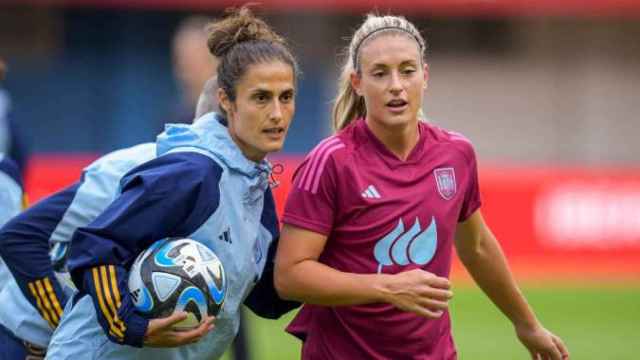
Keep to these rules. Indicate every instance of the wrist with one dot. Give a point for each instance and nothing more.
(136, 330)
(382, 288)
(527, 325)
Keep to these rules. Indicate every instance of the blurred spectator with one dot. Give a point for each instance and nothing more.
(11, 142)
(205, 104)
(193, 65)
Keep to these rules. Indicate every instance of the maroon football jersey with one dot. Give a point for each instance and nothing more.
(382, 215)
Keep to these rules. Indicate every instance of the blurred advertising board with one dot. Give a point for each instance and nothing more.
(552, 222)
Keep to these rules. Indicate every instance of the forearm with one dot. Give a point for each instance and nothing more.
(488, 267)
(34, 275)
(28, 260)
(264, 299)
(26, 255)
(95, 267)
(312, 282)
(107, 286)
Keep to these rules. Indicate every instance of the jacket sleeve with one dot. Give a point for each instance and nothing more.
(170, 196)
(24, 246)
(263, 299)
(11, 189)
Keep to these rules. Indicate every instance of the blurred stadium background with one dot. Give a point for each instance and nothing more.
(547, 91)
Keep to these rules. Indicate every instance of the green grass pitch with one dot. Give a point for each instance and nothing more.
(595, 322)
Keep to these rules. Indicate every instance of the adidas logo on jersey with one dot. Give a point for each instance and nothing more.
(371, 193)
(226, 236)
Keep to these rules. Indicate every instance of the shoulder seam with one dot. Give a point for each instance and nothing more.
(317, 162)
(455, 143)
(464, 154)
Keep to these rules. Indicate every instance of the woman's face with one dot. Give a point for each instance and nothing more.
(392, 79)
(259, 117)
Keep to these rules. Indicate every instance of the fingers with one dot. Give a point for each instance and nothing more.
(194, 335)
(423, 308)
(208, 323)
(421, 292)
(426, 306)
(552, 350)
(435, 287)
(437, 294)
(439, 282)
(434, 305)
(419, 276)
(425, 312)
(161, 324)
(554, 353)
(172, 319)
(561, 347)
(161, 333)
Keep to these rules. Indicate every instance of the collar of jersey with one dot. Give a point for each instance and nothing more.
(209, 134)
(389, 157)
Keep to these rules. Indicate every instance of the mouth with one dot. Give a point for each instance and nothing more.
(397, 105)
(274, 132)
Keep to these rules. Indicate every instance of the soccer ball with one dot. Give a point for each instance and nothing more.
(178, 275)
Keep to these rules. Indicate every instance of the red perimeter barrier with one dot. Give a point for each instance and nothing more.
(554, 223)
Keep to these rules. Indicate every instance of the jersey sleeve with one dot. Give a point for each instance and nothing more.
(471, 201)
(263, 299)
(24, 246)
(311, 203)
(170, 196)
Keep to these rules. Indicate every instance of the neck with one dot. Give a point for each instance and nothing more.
(399, 139)
(246, 150)
(249, 153)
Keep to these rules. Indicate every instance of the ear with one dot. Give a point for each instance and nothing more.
(426, 75)
(224, 101)
(356, 82)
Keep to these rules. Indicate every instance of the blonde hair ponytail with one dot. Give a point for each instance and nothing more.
(348, 105)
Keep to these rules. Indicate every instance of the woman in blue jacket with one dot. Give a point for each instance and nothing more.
(209, 178)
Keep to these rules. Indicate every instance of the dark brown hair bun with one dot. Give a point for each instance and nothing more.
(239, 25)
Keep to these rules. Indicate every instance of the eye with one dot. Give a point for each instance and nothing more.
(408, 71)
(286, 97)
(378, 74)
(261, 97)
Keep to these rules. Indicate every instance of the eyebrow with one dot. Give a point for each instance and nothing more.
(404, 63)
(259, 90)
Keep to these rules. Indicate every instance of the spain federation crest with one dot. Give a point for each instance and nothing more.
(446, 181)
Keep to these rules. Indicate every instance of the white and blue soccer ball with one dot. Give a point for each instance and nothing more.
(178, 275)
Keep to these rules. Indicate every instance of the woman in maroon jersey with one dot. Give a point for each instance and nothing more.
(375, 211)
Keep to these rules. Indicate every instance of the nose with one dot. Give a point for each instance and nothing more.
(276, 113)
(396, 85)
